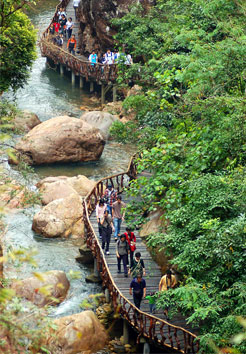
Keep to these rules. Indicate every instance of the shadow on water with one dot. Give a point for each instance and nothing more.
(115, 159)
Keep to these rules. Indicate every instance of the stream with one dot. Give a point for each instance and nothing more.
(48, 95)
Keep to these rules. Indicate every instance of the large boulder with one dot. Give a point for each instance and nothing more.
(52, 188)
(100, 120)
(155, 224)
(25, 121)
(79, 333)
(60, 217)
(86, 256)
(61, 139)
(54, 282)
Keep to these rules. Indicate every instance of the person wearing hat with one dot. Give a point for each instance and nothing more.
(122, 250)
(110, 196)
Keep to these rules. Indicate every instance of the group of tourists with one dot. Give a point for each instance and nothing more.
(110, 212)
(62, 28)
(110, 57)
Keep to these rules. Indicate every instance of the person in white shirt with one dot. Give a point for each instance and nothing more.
(69, 27)
(61, 13)
(110, 57)
(75, 6)
(129, 60)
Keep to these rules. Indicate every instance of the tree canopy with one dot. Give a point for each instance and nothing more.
(190, 59)
(17, 44)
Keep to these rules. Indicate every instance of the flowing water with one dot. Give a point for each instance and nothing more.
(48, 95)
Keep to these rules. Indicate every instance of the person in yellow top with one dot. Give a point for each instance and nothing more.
(168, 281)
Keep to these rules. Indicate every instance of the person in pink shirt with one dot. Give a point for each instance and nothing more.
(100, 209)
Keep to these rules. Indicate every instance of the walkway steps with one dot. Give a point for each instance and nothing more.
(153, 274)
(70, 13)
(176, 334)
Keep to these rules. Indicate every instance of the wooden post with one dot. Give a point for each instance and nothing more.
(125, 332)
(91, 86)
(102, 94)
(146, 348)
(107, 296)
(73, 78)
(61, 70)
(96, 273)
(81, 82)
(114, 93)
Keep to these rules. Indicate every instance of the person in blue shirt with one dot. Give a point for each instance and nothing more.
(138, 288)
(93, 58)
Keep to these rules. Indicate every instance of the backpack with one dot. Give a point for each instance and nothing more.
(138, 269)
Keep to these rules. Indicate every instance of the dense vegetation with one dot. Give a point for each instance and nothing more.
(17, 44)
(191, 129)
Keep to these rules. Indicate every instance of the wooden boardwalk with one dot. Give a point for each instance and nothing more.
(70, 13)
(175, 334)
(78, 65)
(153, 273)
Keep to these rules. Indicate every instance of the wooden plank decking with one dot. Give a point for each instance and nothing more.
(153, 275)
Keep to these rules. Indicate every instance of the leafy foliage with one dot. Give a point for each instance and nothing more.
(191, 66)
(17, 43)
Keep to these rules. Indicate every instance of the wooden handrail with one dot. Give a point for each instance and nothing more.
(147, 325)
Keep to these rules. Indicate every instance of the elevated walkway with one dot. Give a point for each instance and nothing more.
(174, 334)
(78, 65)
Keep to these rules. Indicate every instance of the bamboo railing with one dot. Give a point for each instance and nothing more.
(153, 328)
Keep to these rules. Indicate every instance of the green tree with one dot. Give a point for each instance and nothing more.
(17, 44)
(191, 68)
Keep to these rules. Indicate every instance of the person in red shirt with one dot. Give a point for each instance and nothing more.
(131, 239)
(56, 26)
(71, 44)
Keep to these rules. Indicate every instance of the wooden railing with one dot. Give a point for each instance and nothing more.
(155, 329)
(96, 72)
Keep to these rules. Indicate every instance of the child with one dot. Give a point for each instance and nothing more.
(151, 299)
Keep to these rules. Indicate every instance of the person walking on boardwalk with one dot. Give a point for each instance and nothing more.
(138, 266)
(69, 27)
(100, 209)
(138, 288)
(107, 227)
(71, 44)
(151, 298)
(75, 6)
(122, 249)
(117, 214)
(168, 281)
(110, 196)
(131, 239)
(63, 22)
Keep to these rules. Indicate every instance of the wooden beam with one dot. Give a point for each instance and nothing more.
(81, 82)
(73, 78)
(102, 94)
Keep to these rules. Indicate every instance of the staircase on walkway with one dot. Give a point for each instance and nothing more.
(174, 334)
